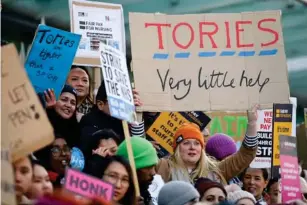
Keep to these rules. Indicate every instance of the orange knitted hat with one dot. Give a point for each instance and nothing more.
(188, 131)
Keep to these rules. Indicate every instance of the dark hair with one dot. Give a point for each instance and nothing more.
(101, 93)
(98, 165)
(90, 95)
(271, 182)
(265, 173)
(103, 134)
(202, 185)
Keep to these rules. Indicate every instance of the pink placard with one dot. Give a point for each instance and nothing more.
(87, 186)
(290, 179)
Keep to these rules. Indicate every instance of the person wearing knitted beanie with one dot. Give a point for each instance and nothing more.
(241, 197)
(188, 131)
(178, 193)
(145, 157)
(210, 191)
(189, 161)
(220, 146)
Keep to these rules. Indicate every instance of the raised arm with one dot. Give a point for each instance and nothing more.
(236, 163)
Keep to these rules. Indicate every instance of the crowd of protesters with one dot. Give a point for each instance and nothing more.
(200, 171)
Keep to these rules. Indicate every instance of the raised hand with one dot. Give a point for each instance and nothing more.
(253, 114)
(136, 98)
(50, 98)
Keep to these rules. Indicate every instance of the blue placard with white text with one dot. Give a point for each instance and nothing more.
(50, 58)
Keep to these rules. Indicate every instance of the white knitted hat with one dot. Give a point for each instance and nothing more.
(238, 195)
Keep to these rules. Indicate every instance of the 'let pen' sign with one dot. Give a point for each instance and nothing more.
(50, 58)
(208, 62)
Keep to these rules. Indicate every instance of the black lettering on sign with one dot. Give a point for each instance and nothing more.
(112, 87)
(120, 78)
(45, 54)
(18, 94)
(186, 84)
(215, 79)
(54, 39)
(34, 64)
(23, 115)
(126, 93)
(250, 82)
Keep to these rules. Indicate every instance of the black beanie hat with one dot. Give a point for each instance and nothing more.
(101, 93)
(69, 89)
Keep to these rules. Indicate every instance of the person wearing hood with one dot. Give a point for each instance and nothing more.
(190, 162)
(62, 114)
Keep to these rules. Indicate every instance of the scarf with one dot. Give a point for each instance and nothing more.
(85, 107)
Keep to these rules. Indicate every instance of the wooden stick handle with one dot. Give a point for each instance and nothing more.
(131, 158)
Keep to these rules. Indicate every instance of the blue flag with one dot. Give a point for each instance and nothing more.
(50, 58)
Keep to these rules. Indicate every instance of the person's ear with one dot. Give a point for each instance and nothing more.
(100, 104)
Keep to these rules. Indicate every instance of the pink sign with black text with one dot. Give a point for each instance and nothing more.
(290, 179)
(87, 186)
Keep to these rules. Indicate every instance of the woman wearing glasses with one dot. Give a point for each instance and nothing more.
(56, 160)
(117, 171)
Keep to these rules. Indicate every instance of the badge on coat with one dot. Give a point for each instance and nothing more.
(77, 159)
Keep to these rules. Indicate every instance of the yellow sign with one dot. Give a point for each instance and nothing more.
(165, 126)
(282, 125)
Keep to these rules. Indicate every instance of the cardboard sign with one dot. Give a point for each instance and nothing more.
(96, 22)
(282, 125)
(87, 186)
(8, 196)
(28, 127)
(233, 124)
(117, 83)
(290, 176)
(166, 125)
(50, 58)
(209, 62)
(264, 132)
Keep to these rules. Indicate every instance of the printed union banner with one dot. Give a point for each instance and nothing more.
(209, 62)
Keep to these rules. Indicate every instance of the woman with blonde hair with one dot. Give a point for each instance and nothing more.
(190, 162)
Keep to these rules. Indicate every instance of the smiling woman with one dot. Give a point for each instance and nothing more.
(62, 114)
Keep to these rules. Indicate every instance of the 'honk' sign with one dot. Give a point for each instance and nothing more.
(87, 186)
(208, 62)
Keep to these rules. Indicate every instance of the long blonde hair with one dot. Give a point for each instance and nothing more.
(205, 166)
